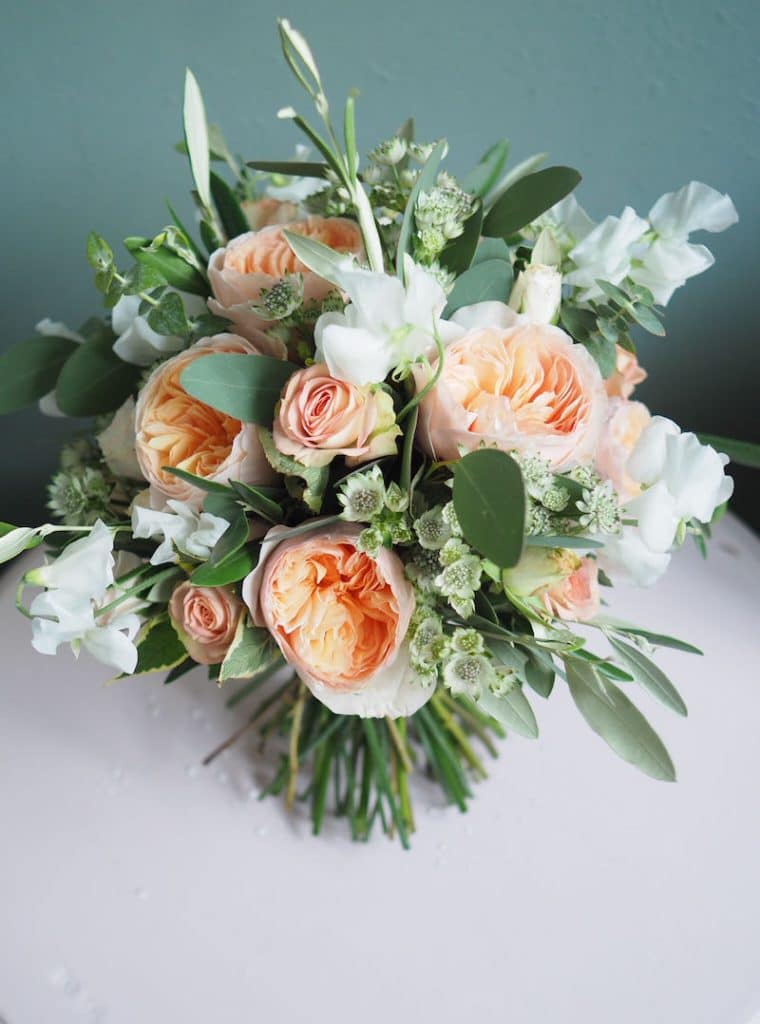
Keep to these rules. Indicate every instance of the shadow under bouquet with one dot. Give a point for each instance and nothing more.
(367, 448)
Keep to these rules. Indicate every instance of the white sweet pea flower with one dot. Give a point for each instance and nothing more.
(684, 479)
(48, 405)
(194, 533)
(605, 253)
(385, 325)
(627, 559)
(568, 222)
(671, 259)
(71, 618)
(137, 342)
(84, 568)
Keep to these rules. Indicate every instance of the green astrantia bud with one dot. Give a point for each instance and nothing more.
(370, 541)
(467, 641)
(396, 500)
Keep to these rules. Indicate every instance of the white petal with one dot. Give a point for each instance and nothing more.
(667, 264)
(694, 475)
(48, 405)
(647, 460)
(695, 207)
(149, 523)
(425, 298)
(141, 345)
(356, 355)
(117, 442)
(57, 329)
(203, 538)
(84, 567)
(394, 692)
(378, 299)
(570, 214)
(487, 314)
(626, 559)
(112, 647)
(658, 516)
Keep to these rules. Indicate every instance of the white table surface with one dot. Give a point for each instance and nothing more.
(139, 888)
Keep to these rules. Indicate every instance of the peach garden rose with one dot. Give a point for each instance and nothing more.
(627, 374)
(175, 430)
(340, 618)
(525, 388)
(321, 417)
(206, 619)
(259, 259)
(623, 427)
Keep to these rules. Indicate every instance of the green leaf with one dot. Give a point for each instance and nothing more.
(258, 500)
(252, 650)
(491, 249)
(94, 380)
(539, 671)
(231, 570)
(482, 179)
(458, 254)
(603, 353)
(196, 137)
(15, 539)
(528, 198)
(232, 540)
(650, 676)
(648, 319)
(169, 316)
(656, 639)
(743, 453)
(525, 167)
(230, 213)
(244, 386)
(579, 323)
(426, 179)
(324, 261)
(619, 722)
(180, 670)
(559, 541)
(291, 168)
(512, 710)
(99, 253)
(158, 647)
(314, 478)
(224, 506)
(176, 271)
(29, 369)
(489, 500)
(612, 292)
(210, 486)
(483, 282)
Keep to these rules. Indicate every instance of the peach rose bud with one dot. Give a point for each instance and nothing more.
(624, 426)
(576, 598)
(175, 430)
(257, 260)
(627, 374)
(321, 417)
(340, 618)
(525, 388)
(206, 619)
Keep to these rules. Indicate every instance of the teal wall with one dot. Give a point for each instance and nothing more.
(640, 95)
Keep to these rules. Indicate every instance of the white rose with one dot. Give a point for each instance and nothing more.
(537, 293)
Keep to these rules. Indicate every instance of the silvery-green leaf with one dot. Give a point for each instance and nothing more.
(196, 137)
(319, 258)
(620, 724)
(648, 674)
(512, 710)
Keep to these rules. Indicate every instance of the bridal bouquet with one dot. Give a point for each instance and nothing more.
(368, 444)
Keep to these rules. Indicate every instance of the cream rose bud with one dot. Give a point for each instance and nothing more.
(257, 260)
(320, 417)
(537, 293)
(206, 619)
(623, 427)
(117, 443)
(525, 388)
(340, 618)
(628, 374)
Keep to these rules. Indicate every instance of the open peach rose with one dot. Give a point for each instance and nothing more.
(259, 259)
(525, 388)
(575, 598)
(173, 429)
(627, 374)
(623, 427)
(340, 618)
(206, 619)
(320, 417)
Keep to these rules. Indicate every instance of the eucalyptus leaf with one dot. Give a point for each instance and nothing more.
(196, 138)
(491, 249)
(99, 253)
(539, 671)
(489, 500)
(483, 177)
(324, 261)
(483, 282)
(528, 198)
(169, 316)
(176, 271)
(603, 352)
(244, 386)
(562, 541)
(656, 639)
(650, 676)
(620, 724)
(527, 166)
(29, 369)
(227, 206)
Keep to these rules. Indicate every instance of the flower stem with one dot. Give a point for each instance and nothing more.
(295, 731)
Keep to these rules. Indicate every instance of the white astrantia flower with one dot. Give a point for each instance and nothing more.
(605, 253)
(137, 342)
(54, 328)
(386, 324)
(671, 259)
(683, 479)
(194, 533)
(84, 568)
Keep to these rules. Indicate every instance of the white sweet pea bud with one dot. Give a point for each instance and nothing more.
(537, 293)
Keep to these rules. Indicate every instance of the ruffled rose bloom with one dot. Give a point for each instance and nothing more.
(173, 429)
(627, 374)
(623, 427)
(575, 598)
(340, 618)
(259, 259)
(525, 388)
(320, 417)
(206, 619)
(262, 213)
